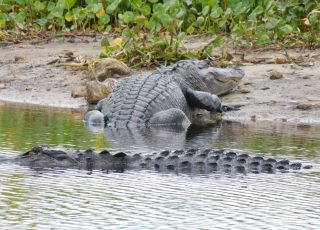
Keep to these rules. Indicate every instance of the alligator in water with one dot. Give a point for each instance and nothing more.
(171, 95)
(189, 161)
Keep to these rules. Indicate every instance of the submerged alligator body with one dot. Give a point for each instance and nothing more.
(189, 161)
(171, 95)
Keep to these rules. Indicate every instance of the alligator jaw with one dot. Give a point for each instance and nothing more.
(220, 81)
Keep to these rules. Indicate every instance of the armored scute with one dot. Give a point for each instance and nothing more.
(180, 161)
(170, 95)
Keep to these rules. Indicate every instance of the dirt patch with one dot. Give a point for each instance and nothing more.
(293, 98)
(26, 77)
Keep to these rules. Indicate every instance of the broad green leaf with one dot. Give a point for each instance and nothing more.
(181, 13)
(2, 21)
(90, 1)
(107, 50)
(155, 23)
(145, 10)
(217, 41)
(205, 10)
(190, 29)
(95, 7)
(314, 19)
(105, 42)
(272, 23)
(19, 19)
(57, 12)
(212, 3)
(61, 4)
(258, 10)
(39, 6)
(188, 2)
(104, 19)
(69, 16)
(113, 6)
(140, 20)
(200, 20)
(166, 20)
(128, 17)
(127, 33)
(69, 4)
(286, 29)
(42, 21)
(153, 1)
(79, 13)
(181, 36)
(264, 39)
(21, 2)
(240, 9)
(194, 11)
(216, 12)
(51, 6)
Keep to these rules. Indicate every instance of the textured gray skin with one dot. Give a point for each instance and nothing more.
(168, 96)
(189, 161)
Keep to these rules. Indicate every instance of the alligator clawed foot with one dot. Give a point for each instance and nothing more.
(226, 108)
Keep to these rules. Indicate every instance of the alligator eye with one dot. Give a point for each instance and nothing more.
(203, 64)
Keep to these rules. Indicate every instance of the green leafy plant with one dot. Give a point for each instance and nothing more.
(154, 30)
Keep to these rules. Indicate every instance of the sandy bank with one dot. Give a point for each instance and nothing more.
(26, 77)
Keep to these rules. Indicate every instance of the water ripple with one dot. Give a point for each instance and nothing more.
(149, 200)
(73, 199)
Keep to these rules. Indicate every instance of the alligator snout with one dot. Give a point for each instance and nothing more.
(220, 81)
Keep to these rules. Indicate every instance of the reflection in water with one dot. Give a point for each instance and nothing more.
(74, 199)
(159, 138)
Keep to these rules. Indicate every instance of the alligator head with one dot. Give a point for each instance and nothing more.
(219, 81)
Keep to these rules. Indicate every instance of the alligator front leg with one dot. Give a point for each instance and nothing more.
(172, 116)
(94, 120)
(207, 101)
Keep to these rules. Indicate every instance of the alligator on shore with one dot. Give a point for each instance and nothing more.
(179, 161)
(171, 95)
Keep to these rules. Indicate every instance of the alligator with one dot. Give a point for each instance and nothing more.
(179, 161)
(170, 96)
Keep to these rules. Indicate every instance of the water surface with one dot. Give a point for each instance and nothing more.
(74, 199)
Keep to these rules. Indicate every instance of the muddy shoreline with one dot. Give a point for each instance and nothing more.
(26, 78)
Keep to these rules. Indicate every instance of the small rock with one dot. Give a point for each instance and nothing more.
(310, 64)
(253, 118)
(68, 54)
(284, 119)
(281, 60)
(306, 77)
(298, 59)
(269, 61)
(79, 91)
(109, 67)
(236, 62)
(98, 90)
(17, 59)
(304, 106)
(275, 75)
(265, 88)
(28, 88)
(244, 90)
(228, 56)
(2, 86)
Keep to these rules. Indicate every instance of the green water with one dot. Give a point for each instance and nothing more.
(23, 128)
(78, 199)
